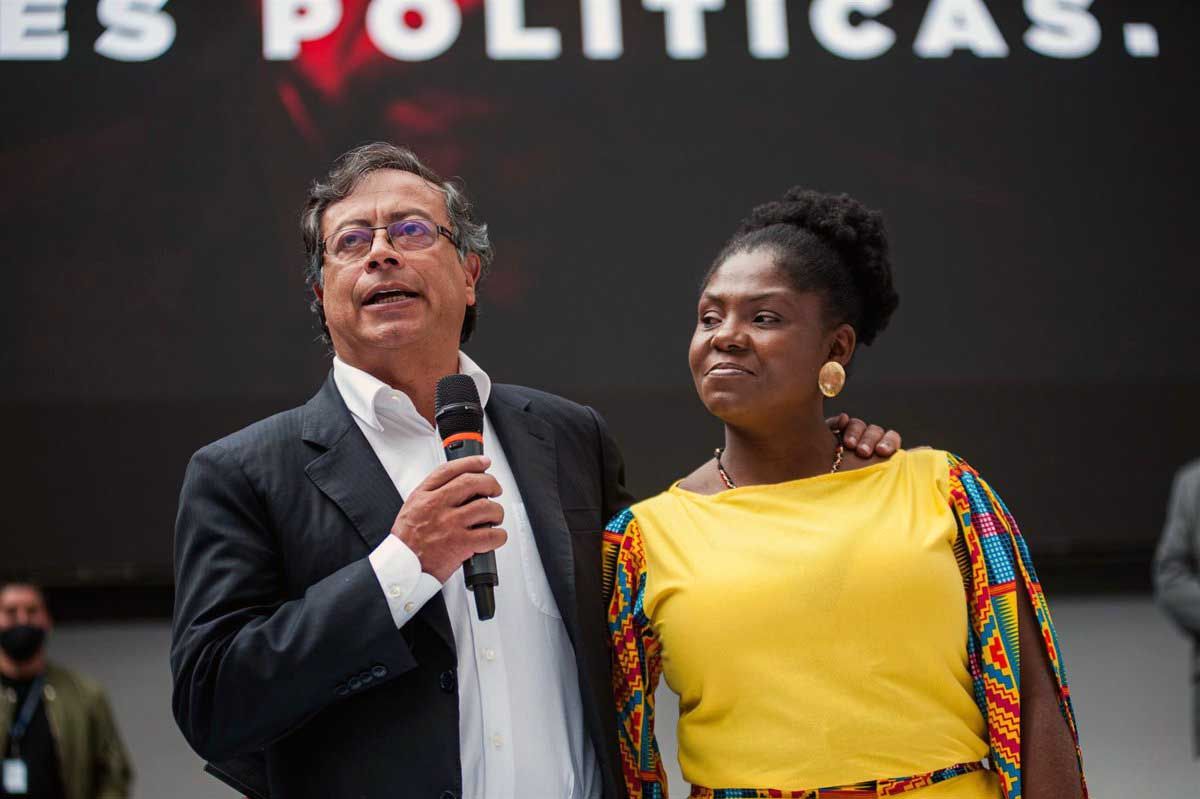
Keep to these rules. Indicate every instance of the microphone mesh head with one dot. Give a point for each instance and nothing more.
(456, 406)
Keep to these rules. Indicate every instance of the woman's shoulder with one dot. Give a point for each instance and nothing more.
(932, 465)
(631, 518)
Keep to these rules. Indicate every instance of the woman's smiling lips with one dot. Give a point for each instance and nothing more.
(727, 369)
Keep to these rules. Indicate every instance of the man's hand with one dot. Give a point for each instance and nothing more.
(866, 440)
(448, 518)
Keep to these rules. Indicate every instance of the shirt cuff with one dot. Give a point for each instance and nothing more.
(404, 585)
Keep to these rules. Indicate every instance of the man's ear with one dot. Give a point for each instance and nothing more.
(472, 268)
(319, 291)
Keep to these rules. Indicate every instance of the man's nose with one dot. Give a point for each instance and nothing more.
(382, 252)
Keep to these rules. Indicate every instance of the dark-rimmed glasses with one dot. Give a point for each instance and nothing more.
(403, 234)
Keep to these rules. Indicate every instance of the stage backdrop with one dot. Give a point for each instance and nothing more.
(1036, 163)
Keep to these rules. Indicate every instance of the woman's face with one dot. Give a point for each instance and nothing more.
(759, 343)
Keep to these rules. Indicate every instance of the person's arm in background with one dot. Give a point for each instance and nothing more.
(1176, 575)
(113, 774)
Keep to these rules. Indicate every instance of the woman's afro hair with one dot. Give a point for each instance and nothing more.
(828, 243)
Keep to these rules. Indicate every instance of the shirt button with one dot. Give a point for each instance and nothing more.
(395, 590)
(409, 607)
(498, 741)
(447, 682)
(489, 654)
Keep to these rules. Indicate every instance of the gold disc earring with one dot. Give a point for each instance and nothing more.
(831, 379)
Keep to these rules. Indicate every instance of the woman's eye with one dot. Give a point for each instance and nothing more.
(709, 320)
(766, 319)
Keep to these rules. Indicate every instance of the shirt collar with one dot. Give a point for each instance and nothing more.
(366, 395)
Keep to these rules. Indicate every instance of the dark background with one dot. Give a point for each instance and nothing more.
(1041, 211)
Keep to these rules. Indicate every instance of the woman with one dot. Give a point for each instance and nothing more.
(854, 625)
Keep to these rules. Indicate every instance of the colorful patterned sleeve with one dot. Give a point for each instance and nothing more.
(994, 557)
(636, 664)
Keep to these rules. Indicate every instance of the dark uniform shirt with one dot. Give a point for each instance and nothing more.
(36, 748)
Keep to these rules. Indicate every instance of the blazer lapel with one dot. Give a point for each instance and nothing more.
(350, 474)
(528, 443)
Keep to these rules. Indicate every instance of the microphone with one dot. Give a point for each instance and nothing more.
(459, 418)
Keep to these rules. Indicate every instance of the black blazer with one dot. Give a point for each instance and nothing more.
(289, 674)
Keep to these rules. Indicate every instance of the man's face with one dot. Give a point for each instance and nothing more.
(23, 604)
(437, 285)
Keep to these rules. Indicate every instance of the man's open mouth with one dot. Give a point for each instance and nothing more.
(390, 295)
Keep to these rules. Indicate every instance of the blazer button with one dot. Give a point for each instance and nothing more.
(379, 671)
(447, 681)
(341, 690)
(449, 795)
(354, 683)
(365, 677)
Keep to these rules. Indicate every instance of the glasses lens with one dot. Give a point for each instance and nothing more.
(351, 243)
(412, 234)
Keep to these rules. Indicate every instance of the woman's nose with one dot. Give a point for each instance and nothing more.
(729, 336)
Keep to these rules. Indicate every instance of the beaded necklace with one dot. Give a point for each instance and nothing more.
(725, 478)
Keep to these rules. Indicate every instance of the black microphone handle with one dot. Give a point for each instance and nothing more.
(479, 570)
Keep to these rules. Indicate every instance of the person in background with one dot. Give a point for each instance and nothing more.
(1176, 574)
(57, 731)
(834, 625)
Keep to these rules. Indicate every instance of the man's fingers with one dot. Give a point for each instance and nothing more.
(490, 538)
(465, 487)
(876, 442)
(480, 512)
(853, 432)
(836, 423)
(867, 441)
(452, 469)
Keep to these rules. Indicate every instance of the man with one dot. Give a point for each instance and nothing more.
(1176, 575)
(324, 641)
(57, 732)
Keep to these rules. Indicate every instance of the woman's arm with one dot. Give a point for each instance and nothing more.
(1049, 763)
(1017, 667)
(636, 664)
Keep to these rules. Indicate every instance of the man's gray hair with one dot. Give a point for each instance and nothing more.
(347, 172)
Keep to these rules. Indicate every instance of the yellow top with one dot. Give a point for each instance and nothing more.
(815, 630)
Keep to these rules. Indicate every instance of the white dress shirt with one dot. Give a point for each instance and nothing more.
(520, 714)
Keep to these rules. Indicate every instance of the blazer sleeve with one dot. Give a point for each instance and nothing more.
(616, 495)
(636, 661)
(1176, 577)
(249, 662)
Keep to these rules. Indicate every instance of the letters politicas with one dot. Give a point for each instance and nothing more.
(419, 30)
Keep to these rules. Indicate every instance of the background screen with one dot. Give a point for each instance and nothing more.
(1036, 167)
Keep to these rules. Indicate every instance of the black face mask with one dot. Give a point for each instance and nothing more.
(21, 642)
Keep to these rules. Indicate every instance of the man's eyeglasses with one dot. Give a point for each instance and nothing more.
(404, 234)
